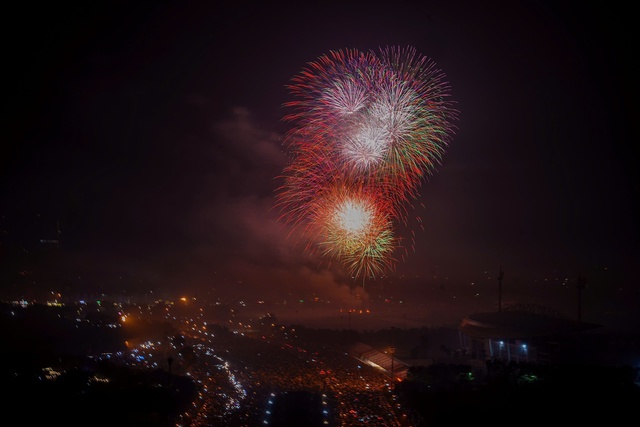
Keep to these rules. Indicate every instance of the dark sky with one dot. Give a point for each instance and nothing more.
(153, 133)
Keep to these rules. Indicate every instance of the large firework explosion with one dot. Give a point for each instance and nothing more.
(367, 129)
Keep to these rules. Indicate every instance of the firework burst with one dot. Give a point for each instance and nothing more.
(367, 129)
(354, 227)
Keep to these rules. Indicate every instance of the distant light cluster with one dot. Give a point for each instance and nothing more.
(368, 128)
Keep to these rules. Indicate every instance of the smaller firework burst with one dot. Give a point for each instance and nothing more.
(355, 228)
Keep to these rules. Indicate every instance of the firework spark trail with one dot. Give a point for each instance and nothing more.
(368, 128)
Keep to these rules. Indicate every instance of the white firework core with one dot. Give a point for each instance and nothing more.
(367, 146)
(353, 217)
(345, 97)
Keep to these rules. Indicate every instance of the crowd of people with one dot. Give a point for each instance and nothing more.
(239, 375)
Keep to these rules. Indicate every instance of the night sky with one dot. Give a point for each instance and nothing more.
(152, 133)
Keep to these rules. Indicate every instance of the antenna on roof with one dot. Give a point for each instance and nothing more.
(500, 277)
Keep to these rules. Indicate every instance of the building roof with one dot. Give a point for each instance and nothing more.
(368, 354)
(520, 322)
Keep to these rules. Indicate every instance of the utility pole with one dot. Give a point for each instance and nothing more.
(170, 361)
(581, 284)
(58, 233)
(393, 351)
(500, 277)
